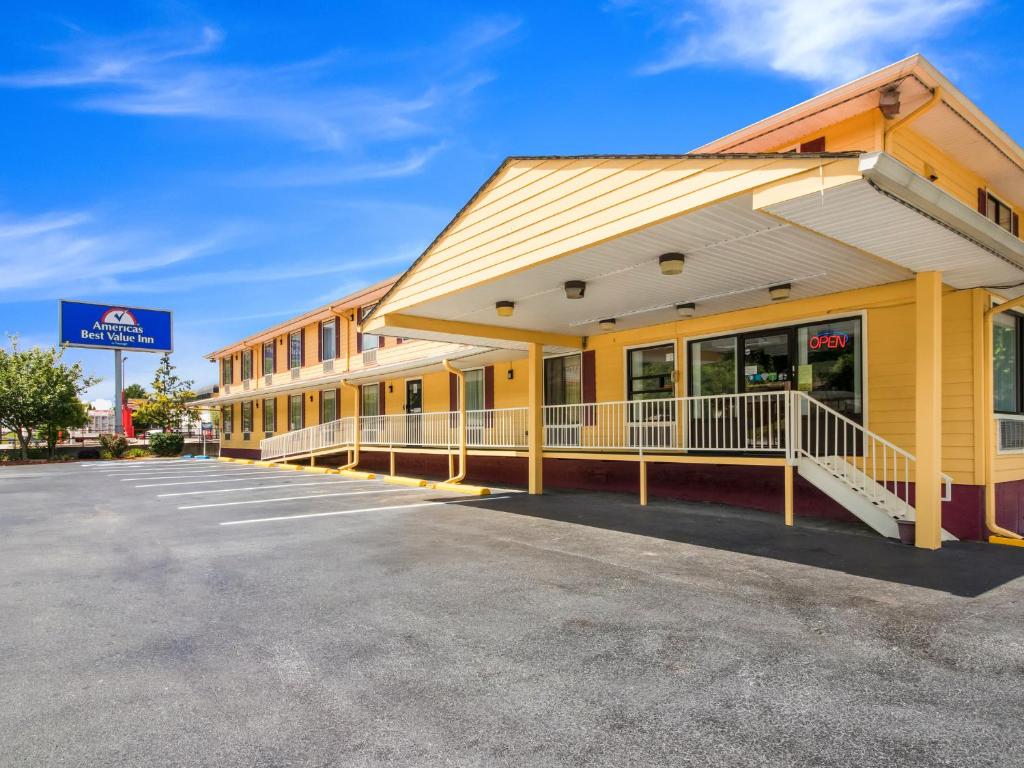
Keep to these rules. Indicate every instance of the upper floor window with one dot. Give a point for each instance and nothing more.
(226, 372)
(998, 211)
(370, 341)
(295, 350)
(268, 358)
(246, 364)
(329, 340)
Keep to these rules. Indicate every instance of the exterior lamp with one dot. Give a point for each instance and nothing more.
(574, 289)
(505, 308)
(779, 292)
(686, 310)
(889, 102)
(607, 325)
(671, 263)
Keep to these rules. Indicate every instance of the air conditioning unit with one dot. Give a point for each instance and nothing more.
(245, 384)
(328, 365)
(295, 373)
(370, 357)
(227, 389)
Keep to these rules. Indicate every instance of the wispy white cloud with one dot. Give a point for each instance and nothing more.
(179, 74)
(823, 41)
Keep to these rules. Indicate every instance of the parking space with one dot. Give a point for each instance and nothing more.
(167, 613)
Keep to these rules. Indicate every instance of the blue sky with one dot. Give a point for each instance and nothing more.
(240, 162)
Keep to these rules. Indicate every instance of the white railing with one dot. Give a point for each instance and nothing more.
(865, 461)
(492, 428)
(305, 441)
(1009, 433)
(750, 423)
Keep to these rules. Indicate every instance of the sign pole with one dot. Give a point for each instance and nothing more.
(118, 394)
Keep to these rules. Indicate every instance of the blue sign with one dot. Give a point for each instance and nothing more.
(106, 326)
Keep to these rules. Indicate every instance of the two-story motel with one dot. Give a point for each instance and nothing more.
(813, 315)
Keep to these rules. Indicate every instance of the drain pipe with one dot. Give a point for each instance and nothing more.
(355, 437)
(458, 478)
(989, 432)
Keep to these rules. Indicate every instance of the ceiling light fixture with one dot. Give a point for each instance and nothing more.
(671, 263)
(607, 324)
(505, 308)
(574, 289)
(686, 310)
(780, 292)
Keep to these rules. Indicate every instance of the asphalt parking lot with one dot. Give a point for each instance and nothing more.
(208, 614)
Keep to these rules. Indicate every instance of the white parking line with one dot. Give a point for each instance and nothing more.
(196, 482)
(177, 477)
(353, 511)
(325, 480)
(302, 498)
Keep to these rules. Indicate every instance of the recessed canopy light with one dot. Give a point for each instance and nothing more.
(671, 263)
(574, 289)
(505, 308)
(686, 310)
(607, 325)
(779, 292)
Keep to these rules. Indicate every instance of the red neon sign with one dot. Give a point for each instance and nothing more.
(828, 340)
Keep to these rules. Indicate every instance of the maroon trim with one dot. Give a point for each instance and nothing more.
(814, 145)
(488, 387)
(453, 392)
(382, 410)
(302, 351)
(1015, 225)
(320, 342)
(589, 384)
(359, 342)
(337, 339)
(982, 201)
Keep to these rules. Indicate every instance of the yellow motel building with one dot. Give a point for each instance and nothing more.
(819, 314)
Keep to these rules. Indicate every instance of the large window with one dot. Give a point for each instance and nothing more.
(475, 389)
(563, 378)
(247, 417)
(268, 358)
(370, 400)
(295, 350)
(999, 212)
(329, 340)
(328, 406)
(369, 340)
(295, 413)
(246, 364)
(713, 367)
(270, 415)
(1006, 362)
(226, 372)
(828, 365)
(228, 419)
(649, 374)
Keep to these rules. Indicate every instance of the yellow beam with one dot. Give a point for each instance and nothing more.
(789, 495)
(461, 377)
(535, 416)
(928, 409)
(479, 330)
(643, 482)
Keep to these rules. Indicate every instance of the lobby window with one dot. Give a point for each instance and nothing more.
(246, 364)
(329, 340)
(649, 375)
(295, 412)
(269, 415)
(268, 358)
(998, 211)
(369, 340)
(226, 372)
(247, 417)
(295, 350)
(328, 406)
(1006, 362)
(713, 367)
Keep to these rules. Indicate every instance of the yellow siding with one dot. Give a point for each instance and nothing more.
(915, 152)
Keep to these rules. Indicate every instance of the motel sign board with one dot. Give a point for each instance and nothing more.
(109, 326)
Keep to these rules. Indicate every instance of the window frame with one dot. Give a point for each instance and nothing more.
(292, 427)
(323, 402)
(1019, 374)
(333, 325)
(270, 410)
(992, 206)
(227, 419)
(227, 370)
(366, 345)
(628, 367)
(292, 352)
(269, 345)
(244, 410)
(246, 366)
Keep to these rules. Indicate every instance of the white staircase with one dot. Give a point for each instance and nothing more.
(861, 471)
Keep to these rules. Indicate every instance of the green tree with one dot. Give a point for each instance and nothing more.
(70, 414)
(37, 389)
(136, 392)
(168, 404)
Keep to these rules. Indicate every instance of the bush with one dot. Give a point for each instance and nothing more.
(137, 453)
(113, 445)
(166, 443)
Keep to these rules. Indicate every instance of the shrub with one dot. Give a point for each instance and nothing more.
(166, 443)
(137, 453)
(89, 453)
(114, 445)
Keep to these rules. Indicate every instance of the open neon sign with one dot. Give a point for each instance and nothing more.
(828, 340)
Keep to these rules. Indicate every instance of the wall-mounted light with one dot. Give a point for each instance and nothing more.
(510, 375)
(311, 398)
(505, 308)
(391, 387)
(889, 102)
(607, 325)
(671, 263)
(574, 289)
(779, 292)
(686, 310)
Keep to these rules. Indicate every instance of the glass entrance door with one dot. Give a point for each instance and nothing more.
(767, 369)
(413, 409)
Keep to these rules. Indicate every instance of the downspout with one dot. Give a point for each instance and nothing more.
(902, 121)
(461, 475)
(989, 414)
(356, 430)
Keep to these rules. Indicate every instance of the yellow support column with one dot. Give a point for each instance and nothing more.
(928, 409)
(535, 415)
(789, 494)
(643, 482)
